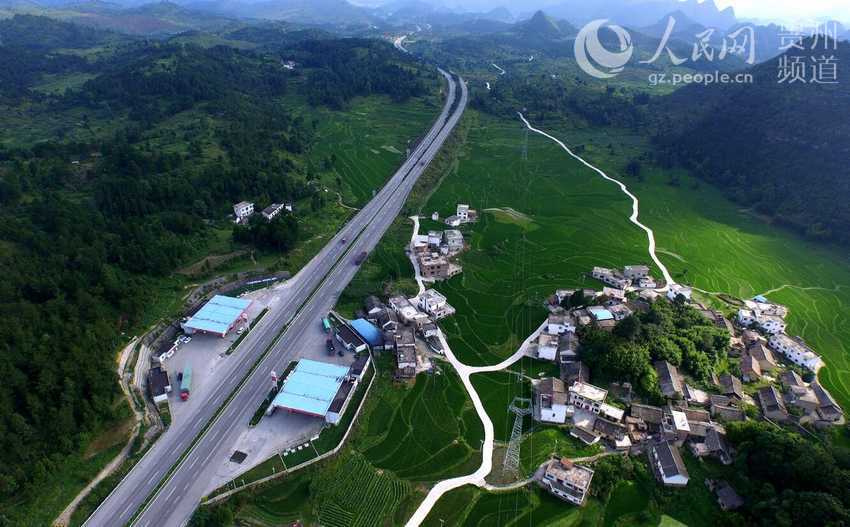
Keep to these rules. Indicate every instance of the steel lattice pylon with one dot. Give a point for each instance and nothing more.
(512, 454)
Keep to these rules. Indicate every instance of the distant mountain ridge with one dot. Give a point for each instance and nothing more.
(779, 148)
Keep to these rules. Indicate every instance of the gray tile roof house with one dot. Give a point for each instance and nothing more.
(772, 404)
(790, 378)
(763, 355)
(668, 379)
(649, 414)
(828, 409)
(731, 386)
(667, 464)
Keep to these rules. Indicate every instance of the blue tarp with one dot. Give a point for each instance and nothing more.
(218, 315)
(368, 331)
(311, 387)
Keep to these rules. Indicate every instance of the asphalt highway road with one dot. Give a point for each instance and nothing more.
(312, 292)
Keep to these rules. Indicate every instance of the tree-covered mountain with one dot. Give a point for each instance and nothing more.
(778, 148)
(90, 226)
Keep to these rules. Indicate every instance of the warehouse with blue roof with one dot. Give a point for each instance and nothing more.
(312, 387)
(218, 316)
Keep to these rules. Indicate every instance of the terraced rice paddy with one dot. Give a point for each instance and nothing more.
(424, 433)
(469, 506)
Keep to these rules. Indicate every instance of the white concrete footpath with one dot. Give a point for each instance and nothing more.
(413, 237)
(477, 477)
(635, 202)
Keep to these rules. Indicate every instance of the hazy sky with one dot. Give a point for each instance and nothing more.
(790, 10)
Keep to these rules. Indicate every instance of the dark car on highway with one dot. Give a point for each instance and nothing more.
(360, 258)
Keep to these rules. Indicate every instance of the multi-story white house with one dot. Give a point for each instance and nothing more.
(243, 210)
(771, 324)
(677, 289)
(567, 480)
(462, 212)
(435, 304)
(633, 272)
(587, 397)
(795, 350)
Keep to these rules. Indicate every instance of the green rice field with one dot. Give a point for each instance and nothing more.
(426, 432)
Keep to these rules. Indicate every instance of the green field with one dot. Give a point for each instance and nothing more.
(426, 432)
(471, 507)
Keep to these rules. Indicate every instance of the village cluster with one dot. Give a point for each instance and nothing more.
(694, 415)
(692, 418)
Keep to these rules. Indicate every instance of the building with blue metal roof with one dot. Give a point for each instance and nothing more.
(311, 387)
(218, 316)
(368, 331)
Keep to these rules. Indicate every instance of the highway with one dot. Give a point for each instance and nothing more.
(313, 291)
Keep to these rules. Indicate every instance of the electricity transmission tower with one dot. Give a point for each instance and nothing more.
(520, 407)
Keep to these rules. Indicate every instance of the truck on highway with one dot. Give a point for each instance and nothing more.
(326, 324)
(360, 258)
(186, 383)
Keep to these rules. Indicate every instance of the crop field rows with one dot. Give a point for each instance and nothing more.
(356, 494)
(419, 435)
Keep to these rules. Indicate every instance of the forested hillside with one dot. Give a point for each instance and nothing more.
(780, 149)
(165, 138)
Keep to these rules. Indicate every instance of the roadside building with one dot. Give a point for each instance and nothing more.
(218, 316)
(159, 386)
(587, 396)
(271, 212)
(368, 332)
(243, 210)
(550, 401)
(669, 380)
(559, 323)
(676, 290)
(772, 405)
(429, 329)
(566, 480)
(547, 346)
(646, 282)
(667, 464)
(349, 339)
(313, 387)
(434, 266)
(434, 304)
